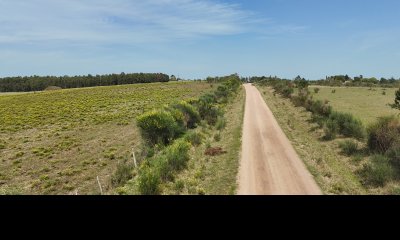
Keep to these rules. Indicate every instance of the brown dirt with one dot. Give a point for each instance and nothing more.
(214, 151)
(269, 164)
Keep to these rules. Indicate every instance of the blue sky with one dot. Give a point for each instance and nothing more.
(196, 39)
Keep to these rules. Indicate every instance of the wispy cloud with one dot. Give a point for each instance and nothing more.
(377, 40)
(118, 20)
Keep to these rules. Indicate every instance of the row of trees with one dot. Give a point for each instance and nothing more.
(340, 80)
(37, 83)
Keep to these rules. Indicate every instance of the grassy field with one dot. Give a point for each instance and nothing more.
(364, 103)
(334, 173)
(59, 142)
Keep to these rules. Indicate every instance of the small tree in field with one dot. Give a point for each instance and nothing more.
(396, 104)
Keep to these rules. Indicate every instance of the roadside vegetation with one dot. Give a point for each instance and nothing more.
(179, 136)
(366, 157)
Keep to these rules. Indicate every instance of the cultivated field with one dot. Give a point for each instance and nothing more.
(59, 142)
(365, 103)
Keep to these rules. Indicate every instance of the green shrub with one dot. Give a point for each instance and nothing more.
(148, 151)
(207, 109)
(208, 98)
(348, 125)
(384, 134)
(334, 91)
(378, 171)
(149, 181)
(178, 117)
(316, 90)
(221, 123)
(222, 92)
(195, 138)
(331, 129)
(191, 116)
(318, 119)
(178, 154)
(287, 91)
(353, 129)
(396, 104)
(300, 99)
(158, 127)
(212, 115)
(318, 107)
(348, 147)
(163, 167)
(122, 174)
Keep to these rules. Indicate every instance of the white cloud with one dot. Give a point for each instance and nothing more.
(118, 21)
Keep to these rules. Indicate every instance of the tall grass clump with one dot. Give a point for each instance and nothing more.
(378, 171)
(349, 147)
(221, 123)
(122, 174)
(331, 129)
(349, 126)
(149, 181)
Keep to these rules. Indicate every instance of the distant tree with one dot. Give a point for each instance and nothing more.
(210, 79)
(301, 83)
(173, 78)
(396, 104)
(392, 80)
(383, 81)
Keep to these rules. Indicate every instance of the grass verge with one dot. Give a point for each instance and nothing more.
(334, 173)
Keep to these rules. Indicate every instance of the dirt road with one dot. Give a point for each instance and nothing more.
(269, 164)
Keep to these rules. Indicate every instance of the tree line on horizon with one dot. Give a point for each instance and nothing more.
(359, 81)
(337, 80)
(40, 83)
